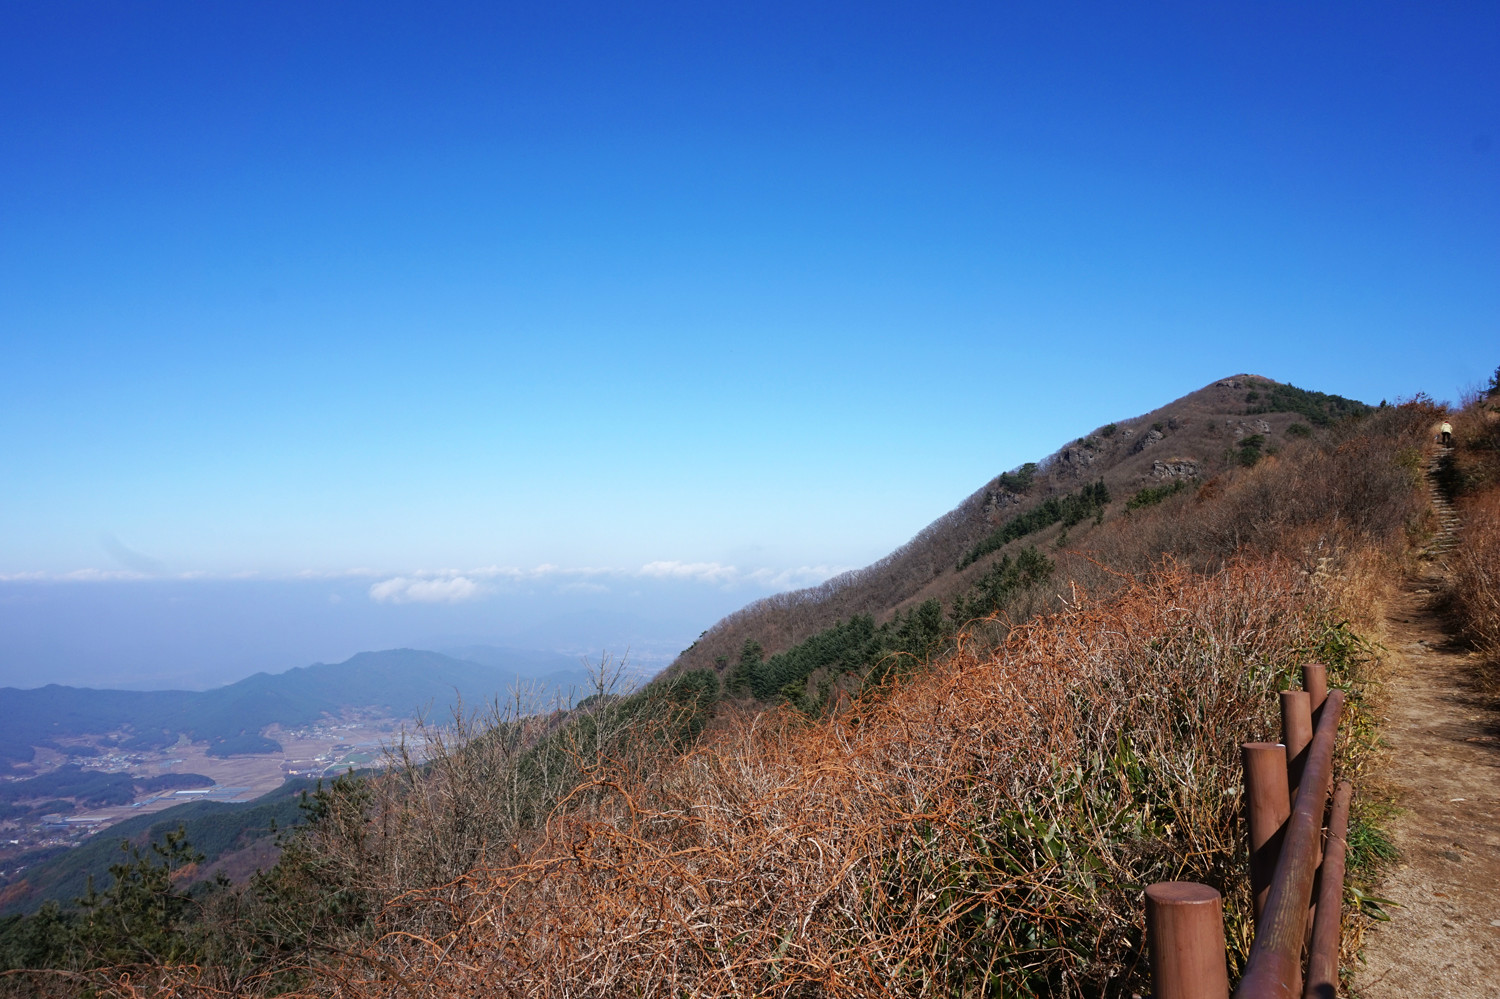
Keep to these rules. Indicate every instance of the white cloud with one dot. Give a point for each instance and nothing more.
(705, 572)
(333, 573)
(406, 590)
(718, 574)
(583, 586)
(454, 584)
(516, 574)
(77, 576)
(457, 585)
(102, 575)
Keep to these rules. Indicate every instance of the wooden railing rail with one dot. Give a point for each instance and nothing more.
(1274, 970)
(1323, 953)
(1297, 882)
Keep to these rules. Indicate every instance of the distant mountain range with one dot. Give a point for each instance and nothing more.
(231, 719)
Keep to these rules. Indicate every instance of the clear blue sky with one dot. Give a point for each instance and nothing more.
(318, 286)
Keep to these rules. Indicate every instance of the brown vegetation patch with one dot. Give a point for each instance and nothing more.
(991, 821)
(1475, 586)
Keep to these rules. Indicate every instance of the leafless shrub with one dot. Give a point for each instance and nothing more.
(1475, 588)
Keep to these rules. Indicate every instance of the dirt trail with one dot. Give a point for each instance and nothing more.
(1444, 936)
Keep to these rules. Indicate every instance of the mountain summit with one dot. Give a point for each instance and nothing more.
(1230, 422)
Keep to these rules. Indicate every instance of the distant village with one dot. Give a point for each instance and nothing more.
(29, 833)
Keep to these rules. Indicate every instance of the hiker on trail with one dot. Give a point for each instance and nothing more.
(1447, 434)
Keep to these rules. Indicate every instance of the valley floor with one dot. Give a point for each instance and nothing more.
(1443, 765)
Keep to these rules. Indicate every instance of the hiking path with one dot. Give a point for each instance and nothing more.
(1443, 736)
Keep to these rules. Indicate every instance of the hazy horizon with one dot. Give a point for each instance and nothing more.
(198, 633)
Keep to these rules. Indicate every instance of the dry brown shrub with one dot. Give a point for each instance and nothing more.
(1338, 507)
(1476, 440)
(986, 827)
(1476, 573)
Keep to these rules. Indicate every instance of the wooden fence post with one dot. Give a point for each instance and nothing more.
(1267, 808)
(1274, 970)
(1185, 935)
(1296, 735)
(1315, 682)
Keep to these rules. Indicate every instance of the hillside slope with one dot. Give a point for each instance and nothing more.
(1229, 422)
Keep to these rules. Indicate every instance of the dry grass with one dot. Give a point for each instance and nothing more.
(1474, 589)
(1476, 573)
(986, 827)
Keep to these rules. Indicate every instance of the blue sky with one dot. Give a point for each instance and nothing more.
(291, 288)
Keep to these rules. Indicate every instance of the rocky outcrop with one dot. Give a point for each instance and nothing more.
(1150, 437)
(1075, 458)
(1174, 468)
(1243, 428)
(996, 501)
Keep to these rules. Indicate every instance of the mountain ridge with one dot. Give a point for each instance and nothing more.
(1228, 422)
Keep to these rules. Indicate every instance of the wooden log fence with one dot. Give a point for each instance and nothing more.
(1296, 870)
